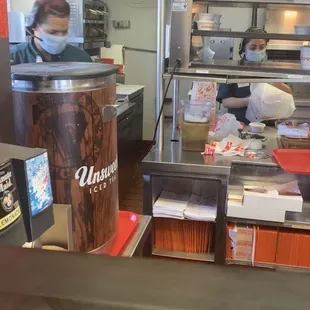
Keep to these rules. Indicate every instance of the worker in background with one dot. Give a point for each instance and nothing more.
(235, 97)
(48, 25)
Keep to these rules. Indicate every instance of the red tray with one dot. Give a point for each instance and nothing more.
(293, 160)
(127, 225)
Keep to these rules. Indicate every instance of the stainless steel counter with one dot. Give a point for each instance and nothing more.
(124, 94)
(234, 172)
(128, 91)
(174, 159)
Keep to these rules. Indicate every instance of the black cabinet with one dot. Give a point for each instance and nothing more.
(130, 144)
(130, 125)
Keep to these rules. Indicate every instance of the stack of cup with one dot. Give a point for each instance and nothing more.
(305, 57)
(208, 21)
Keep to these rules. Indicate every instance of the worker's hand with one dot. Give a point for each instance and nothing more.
(236, 103)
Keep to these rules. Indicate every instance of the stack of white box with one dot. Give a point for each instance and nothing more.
(269, 206)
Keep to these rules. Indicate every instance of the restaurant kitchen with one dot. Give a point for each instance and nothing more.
(218, 189)
(236, 197)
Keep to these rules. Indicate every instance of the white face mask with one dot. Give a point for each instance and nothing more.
(52, 44)
(255, 55)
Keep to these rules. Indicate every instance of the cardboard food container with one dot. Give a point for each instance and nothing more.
(272, 200)
(261, 213)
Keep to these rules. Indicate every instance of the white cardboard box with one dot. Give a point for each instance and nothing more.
(262, 213)
(272, 201)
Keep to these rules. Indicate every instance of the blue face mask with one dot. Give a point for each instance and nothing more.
(256, 55)
(52, 44)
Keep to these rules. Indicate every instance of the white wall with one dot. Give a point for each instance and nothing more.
(140, 66)
(24, 6)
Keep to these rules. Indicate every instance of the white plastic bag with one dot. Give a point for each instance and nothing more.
(227, 124)
(268, 102)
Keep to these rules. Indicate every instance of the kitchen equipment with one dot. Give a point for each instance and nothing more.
(194, 136)
(256, 144)
(33, 183)
(84, 16)
(210, 17)
(217, 18)
(302, 29)
(293, 161)
(222, 47)
(198, 111)
(92, 14)
(208, 25)
(257, 127)
(206, 16)
(206, 52)
(195, 119)
(93, 32)
(197, 46)
(12, 229)
(65, 108)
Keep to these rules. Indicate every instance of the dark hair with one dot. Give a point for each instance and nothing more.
(6, 194)
(42, 9)
(246, 41)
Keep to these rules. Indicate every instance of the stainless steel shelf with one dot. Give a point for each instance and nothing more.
(288, 2)
(240, 34)
(229, 80)
(204, 78)
(205, 257)
(232, 70)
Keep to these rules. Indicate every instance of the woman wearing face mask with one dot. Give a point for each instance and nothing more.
(48, 25)
(235, 97)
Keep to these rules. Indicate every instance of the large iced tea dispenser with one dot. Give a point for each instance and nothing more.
(60, 107)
